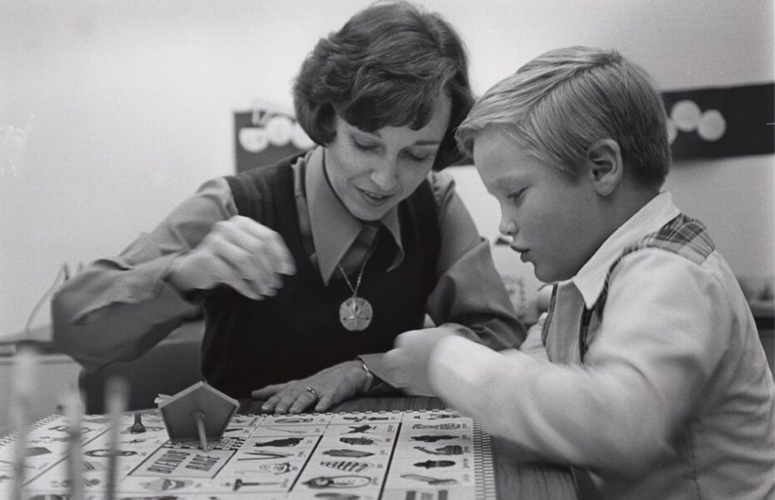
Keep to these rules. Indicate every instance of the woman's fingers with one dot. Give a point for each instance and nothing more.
(303, 401)
(319, 391)
(266, 392)
(243, 254)
(324, 403)
(285, 398)
(265, 243)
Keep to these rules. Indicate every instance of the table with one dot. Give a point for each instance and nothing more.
(516, 476)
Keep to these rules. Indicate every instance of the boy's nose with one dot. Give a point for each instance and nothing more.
(507, 227)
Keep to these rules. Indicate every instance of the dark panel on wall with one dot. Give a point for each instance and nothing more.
(721, 122)
(702, 123)
(264, 137)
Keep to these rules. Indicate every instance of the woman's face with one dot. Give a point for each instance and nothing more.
(372, 172)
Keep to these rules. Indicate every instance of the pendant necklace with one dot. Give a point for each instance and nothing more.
(355, 313)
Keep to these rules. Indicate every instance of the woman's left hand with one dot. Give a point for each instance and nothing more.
(321, 390)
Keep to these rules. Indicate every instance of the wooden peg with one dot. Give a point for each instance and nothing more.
(116, 391)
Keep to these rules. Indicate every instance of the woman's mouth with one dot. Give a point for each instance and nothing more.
(374, 197)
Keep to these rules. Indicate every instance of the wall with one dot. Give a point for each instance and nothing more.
(113, 112)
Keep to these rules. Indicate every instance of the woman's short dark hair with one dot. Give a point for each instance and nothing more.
(385, 67)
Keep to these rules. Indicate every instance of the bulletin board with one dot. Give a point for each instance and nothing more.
(721, 122)
(265, 135)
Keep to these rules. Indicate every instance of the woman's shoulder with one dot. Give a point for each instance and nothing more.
(442, 186)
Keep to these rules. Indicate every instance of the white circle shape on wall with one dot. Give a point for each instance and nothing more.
(686, 115)
(253, 139)
(712, 125)
(278, 130)
(300, 139)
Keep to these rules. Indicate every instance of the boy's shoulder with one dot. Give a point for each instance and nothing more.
(683, 235)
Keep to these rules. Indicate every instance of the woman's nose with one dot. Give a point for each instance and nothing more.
(385, 176)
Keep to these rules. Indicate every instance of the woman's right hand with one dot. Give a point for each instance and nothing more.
(239, 252)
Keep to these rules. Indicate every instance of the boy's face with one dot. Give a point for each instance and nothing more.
(554, 222)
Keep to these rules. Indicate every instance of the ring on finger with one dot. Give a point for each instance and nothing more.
(313, 392)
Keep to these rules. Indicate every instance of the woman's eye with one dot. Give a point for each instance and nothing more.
(364, 146)
(418, 157)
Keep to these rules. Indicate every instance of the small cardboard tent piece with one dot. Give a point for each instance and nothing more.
(180, 412)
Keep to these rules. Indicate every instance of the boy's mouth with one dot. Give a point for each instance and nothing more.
(522, 253)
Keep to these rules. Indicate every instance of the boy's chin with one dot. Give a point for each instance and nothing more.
(547, 274)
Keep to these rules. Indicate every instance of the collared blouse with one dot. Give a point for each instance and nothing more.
(119, 307)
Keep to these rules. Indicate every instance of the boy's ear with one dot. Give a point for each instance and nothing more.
(605, 167)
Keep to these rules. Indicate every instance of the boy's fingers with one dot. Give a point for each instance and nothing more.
(396, 363)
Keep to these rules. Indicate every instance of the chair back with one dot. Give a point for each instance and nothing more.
(167, 368)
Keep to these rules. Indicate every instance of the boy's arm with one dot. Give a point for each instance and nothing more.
(664, 331)
(533, 345)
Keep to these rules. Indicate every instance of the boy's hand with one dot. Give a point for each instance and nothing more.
(408, 361)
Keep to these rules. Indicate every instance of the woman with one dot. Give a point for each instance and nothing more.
(307, 270)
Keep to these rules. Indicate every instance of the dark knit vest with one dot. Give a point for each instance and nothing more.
(249, 344)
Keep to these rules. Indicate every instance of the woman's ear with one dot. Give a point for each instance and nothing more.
(605, 167)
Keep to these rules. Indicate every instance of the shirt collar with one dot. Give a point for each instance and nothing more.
(591, 277)
(334, 228)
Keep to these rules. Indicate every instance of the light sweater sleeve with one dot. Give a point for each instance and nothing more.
(469, 299)
(662, 335)
(118, 308)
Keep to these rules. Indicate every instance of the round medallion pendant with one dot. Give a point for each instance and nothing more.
(355, 314)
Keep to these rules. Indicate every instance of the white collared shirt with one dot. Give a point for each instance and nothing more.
(675, 398)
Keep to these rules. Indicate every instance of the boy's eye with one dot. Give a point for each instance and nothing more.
(516, 196)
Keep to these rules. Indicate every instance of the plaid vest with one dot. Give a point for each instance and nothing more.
(682, 235)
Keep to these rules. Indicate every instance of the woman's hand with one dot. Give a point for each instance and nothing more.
(329, 386)
(240, 253)
(408, 361)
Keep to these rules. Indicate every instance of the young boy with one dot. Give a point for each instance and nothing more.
(658, 386)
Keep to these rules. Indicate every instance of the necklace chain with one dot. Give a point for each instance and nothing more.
(360, 276)
(366, 258)
(356, 313)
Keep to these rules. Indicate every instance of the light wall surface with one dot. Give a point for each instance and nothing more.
(112, 112)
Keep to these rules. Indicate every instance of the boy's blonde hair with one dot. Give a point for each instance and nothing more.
(560, 103)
